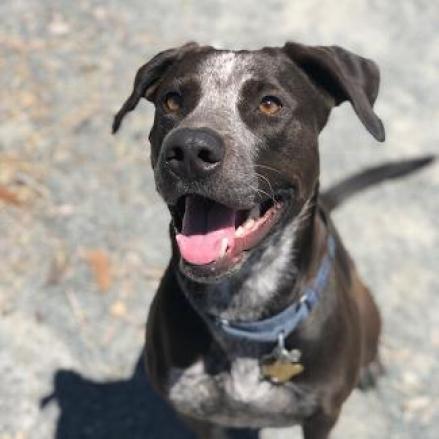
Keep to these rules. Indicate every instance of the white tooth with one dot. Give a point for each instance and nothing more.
(224, 244)
(239, 232)
(255, 212)
(249, 223)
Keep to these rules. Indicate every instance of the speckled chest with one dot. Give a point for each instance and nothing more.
(238, 396)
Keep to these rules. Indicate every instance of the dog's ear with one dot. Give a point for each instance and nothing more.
(344, 76)
(148, 77)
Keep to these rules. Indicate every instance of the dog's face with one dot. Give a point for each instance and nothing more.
(234, 140)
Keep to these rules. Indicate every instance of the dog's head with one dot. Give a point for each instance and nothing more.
(235, 136)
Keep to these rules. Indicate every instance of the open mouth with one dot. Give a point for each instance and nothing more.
(212, 238)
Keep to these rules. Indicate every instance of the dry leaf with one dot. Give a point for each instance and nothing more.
(99, 263)
(9, 196)
(20, 181)
(11, 165)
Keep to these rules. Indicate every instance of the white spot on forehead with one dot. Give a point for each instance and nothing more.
(220, 66)
(225, 69)
(222, 76)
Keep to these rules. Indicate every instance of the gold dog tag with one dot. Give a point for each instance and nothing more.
(281, 365)
(280, 371)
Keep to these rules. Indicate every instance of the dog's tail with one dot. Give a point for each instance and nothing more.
(338, 193)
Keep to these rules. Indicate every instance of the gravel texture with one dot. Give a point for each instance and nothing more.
(83, 235)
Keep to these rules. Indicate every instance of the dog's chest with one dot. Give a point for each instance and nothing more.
(238, 396)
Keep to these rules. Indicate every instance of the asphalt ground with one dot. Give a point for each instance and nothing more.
(83, 235)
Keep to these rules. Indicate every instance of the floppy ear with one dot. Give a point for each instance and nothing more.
(147, 78)
(345, 76)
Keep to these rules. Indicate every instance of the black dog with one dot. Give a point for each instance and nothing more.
(261, 319)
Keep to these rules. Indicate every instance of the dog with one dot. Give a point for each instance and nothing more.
(261, 319)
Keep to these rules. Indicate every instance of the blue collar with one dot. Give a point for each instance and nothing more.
(285, 322)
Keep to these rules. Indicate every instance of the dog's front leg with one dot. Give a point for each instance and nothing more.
(319, 425)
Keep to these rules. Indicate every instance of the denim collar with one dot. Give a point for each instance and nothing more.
(286, 321)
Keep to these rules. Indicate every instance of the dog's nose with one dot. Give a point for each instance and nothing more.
(193, 153)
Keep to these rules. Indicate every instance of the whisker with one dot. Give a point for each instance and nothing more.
(269, 186)
(269, 168)
(260, 191)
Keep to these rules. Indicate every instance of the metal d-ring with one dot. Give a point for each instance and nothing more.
(282, 352)
(281, 341)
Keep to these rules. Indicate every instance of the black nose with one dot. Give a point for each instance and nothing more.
(193, 153)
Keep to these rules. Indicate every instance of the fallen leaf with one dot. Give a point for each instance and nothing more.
(8, 196)
(99, 263)
(10, 165)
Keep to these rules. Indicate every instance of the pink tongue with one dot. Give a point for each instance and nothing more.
(205, 225)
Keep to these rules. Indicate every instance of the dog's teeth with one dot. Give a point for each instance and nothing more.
(249, 223)
(224, 245)
(239, 232)
(255, 212)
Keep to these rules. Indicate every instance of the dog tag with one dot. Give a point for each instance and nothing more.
(281, 365)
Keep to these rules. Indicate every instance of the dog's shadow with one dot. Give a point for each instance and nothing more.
(125, 409)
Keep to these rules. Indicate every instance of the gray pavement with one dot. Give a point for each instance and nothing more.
(83, 234)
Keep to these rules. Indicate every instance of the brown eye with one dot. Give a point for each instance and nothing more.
(270, 105)
(172, 102)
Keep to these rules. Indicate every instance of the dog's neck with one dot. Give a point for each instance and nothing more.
(271, 278)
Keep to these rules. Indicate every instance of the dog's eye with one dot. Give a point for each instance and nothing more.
(270, 105)
(172, 102)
